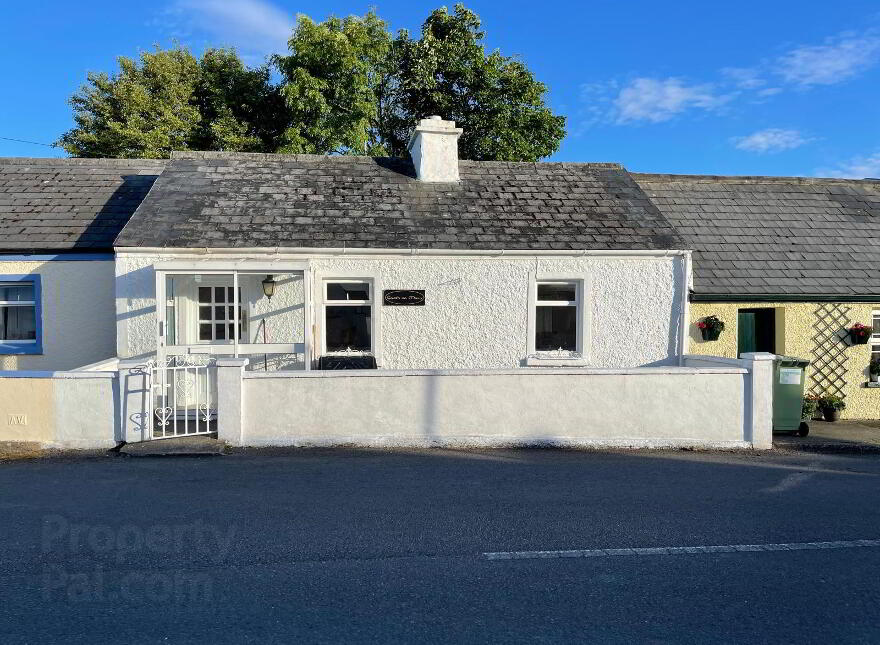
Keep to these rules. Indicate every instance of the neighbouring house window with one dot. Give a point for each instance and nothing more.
(557, 316)
(216, 316)
(875, 334)
(20, 324)
(348, 314)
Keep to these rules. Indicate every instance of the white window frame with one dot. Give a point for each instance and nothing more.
(875, 338)
(374, 302)
(583, 304)
(194, 318)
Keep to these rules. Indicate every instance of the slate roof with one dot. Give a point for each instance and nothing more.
(761, 236)
(267, 200)
(69, 204)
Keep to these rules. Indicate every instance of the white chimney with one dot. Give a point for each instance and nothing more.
(434, 149)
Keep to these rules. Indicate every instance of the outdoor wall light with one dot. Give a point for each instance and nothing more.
(269, 286)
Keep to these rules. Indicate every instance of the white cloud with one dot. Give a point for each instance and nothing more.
(253, 26)
(656, 100)
(770, 140)
(839, 59)
(855, 168)
(747, 78)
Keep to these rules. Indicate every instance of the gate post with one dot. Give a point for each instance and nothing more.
(759, 399)
(230, 404)
(135, 400)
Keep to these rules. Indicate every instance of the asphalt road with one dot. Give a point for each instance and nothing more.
(324, 546)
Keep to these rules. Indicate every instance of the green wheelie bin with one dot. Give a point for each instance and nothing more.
(788, 395)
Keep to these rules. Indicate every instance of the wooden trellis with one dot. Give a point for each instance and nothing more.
(828, 373)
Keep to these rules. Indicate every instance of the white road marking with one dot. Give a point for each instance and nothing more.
(789, 481)
(681, 550)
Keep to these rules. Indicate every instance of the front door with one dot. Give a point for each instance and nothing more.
(756, 330)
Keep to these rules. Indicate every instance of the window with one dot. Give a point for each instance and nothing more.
(558, 316)
(348, 315)
(875, 334)
(216, 316)
(20, 325)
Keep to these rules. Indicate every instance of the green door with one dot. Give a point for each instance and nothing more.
(746, 338)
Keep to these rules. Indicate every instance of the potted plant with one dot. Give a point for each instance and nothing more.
(874, 369)
(711, 327)
(811, 405)
(859, 334)
(831, 405)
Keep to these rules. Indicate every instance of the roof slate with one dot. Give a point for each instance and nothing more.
(763, 236)
(69, 204)
(266, 200)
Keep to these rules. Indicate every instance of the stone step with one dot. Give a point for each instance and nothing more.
(175, 446)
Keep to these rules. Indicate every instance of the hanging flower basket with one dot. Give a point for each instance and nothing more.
(859, 334)
(711, 327)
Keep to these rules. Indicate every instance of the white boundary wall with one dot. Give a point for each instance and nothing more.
(723, 406)
(76, 409)
(709, 403)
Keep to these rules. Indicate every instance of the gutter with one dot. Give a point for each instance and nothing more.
(784, 297)
(298, 252)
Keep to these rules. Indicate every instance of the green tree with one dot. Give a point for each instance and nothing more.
(169, 100)
(347, 87)
(352, 89)
(496, 99)
(334, 82)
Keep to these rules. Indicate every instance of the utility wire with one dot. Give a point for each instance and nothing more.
(36, 143)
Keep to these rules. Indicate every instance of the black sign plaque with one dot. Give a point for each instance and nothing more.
(404, 297)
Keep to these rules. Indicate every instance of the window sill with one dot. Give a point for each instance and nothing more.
(872, 384)
(548, 361)
(17, 350)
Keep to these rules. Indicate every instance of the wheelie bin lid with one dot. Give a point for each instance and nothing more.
(792, 361)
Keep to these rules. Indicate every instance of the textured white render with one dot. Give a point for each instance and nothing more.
(78, 313)
(477, 308)
(136, 304)
(642, 407)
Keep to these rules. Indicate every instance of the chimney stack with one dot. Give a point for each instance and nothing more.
(434, 150)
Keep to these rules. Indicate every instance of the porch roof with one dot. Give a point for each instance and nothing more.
(269, 200)
(792, 238)
(69, 204)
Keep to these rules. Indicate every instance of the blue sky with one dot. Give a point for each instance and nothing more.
(765, 88)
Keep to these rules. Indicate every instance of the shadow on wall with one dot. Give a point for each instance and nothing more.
(676, 314)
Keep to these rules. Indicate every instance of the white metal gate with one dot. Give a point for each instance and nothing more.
(183, 395)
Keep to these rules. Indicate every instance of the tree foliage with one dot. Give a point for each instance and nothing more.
(333, 83)
(347, 87)
(496, 99)
(169, 100)
(353, 89)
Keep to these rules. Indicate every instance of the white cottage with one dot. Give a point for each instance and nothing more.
(435, 263)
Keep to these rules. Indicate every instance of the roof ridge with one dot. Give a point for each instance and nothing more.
(275, 156)
(81, 161)
(751, 179)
